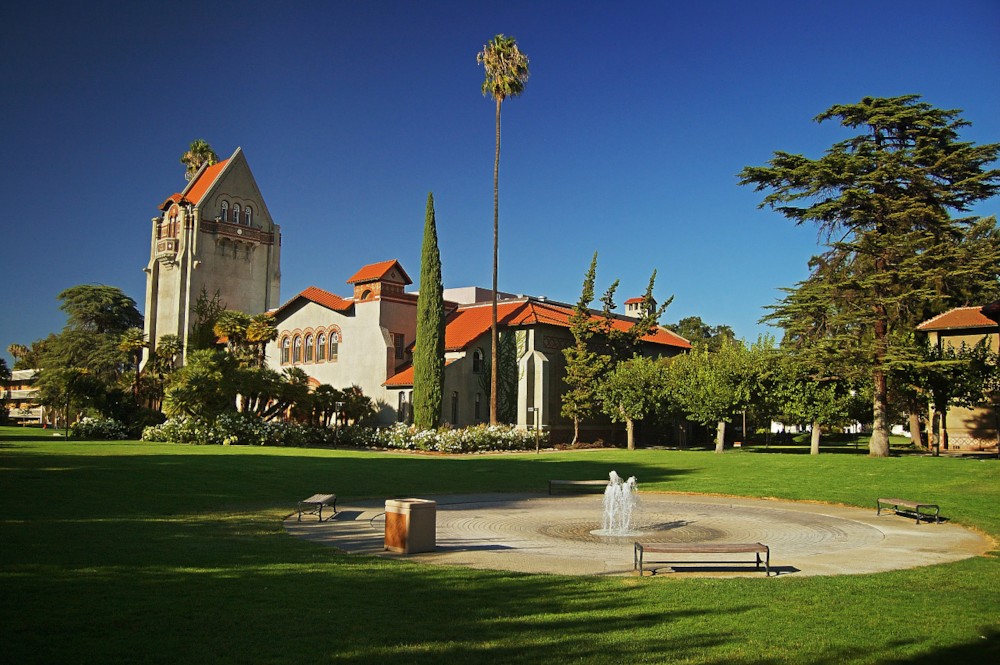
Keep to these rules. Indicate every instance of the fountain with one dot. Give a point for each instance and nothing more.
(620, 507)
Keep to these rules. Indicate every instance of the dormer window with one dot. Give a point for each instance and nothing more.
(248, 212)
(225, 211)
(236, 213)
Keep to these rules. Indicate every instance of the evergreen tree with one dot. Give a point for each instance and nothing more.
(584, 366)
(428, 352)
(884, 198)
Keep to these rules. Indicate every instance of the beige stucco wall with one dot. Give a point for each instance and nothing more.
(969, 428)
(365, 355)
(233, 260)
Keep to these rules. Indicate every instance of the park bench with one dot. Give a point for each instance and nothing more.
(702, 548)
(578, 485)
(316, 503)
(913, 509)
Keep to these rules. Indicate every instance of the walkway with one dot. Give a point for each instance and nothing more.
(543, 534)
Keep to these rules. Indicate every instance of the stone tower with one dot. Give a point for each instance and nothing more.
(215, 236)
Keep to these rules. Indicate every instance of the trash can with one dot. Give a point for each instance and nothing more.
(410, 525)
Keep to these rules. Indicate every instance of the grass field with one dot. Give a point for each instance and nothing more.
(129, 552)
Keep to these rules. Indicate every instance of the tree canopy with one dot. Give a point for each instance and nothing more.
(883, 200)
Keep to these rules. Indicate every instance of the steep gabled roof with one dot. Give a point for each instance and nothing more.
(377, 271)
(468, 323)
(196, 189)
(320, 297)
(958, 318)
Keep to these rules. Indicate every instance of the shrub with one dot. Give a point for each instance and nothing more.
(245, 429)
(99, 428)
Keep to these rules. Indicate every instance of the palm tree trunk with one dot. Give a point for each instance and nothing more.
(494, 335)
(720, 436)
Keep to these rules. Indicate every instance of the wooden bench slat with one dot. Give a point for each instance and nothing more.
(702, 548)
(912, 508)
(317, 501)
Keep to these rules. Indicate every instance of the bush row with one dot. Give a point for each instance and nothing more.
(243, 429)
(107, 429)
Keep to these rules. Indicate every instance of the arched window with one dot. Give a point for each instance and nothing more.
(286, 347)
(479, 407)
(334, 345)
(321, 347)
(225, 211)
(309, 348)
(454, 407)
(477, 361)
(236, 213)
(248, 213)
(401, 407)
(297, 349)
(366, 294)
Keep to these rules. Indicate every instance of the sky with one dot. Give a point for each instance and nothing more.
(627, 140)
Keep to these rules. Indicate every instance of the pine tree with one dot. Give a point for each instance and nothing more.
(884, 198)
(428, 353)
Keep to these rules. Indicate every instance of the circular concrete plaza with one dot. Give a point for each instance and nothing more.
(553, 534)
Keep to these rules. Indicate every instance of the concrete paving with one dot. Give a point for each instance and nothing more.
(542, 534)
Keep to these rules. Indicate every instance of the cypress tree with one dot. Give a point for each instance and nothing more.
(428, 353)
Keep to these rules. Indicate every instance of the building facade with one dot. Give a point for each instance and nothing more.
(20, 396)
(367, 340)
(967, 428)
(215, 237)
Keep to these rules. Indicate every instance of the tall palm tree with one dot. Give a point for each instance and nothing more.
(506, 73)
(199, 152)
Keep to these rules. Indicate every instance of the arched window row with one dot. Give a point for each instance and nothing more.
(309, 347)
(236, 215)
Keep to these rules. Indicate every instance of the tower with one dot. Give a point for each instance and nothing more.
(217, 237)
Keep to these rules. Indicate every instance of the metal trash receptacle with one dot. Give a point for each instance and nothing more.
(410, 525)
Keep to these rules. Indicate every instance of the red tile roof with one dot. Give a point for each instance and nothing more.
(960, 317)
(376, 271)
(404, 377)
(466, 324)
(196, 189)
(632, 301)
(320, 297)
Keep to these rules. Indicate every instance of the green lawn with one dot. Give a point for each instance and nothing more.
(150, 553)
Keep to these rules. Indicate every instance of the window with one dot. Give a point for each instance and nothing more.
(286, 347)
(334, 345)
(366, 294)
(225, 211)
(249, 214)
(479, 407)
(399, 344)
(236, 213)
(309, 348)
(401, 407)
(297, 349)
(454, 408)
(321, 347)
(477, 361)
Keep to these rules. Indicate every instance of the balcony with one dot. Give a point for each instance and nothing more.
(238, 232)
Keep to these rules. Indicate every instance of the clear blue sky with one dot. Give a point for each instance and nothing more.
(628, 139)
